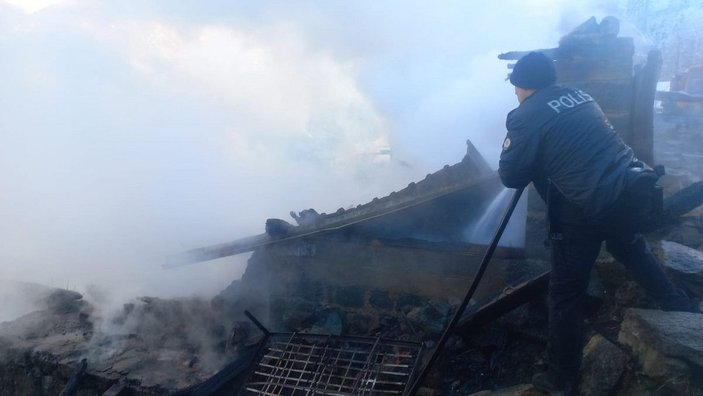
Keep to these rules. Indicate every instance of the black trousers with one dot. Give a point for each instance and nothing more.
(574, 250)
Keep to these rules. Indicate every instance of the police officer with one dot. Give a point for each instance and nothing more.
(559, 139)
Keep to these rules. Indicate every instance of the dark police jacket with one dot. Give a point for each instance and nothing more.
(559, 139)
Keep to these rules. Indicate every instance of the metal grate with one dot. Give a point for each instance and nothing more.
(307, 364)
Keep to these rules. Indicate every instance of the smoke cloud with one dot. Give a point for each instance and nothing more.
(130, 131)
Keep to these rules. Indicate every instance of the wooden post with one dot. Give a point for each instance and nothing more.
(641, 138)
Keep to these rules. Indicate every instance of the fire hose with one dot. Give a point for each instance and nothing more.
(469, 294)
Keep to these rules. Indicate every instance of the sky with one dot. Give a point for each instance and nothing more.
(133, 130)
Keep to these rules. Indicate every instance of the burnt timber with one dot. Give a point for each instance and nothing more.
(395, 218)
(361, 232)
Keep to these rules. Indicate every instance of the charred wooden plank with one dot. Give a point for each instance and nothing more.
(508, 300)
(76, 377)
(464, 249)
(116, 389)
(212, 252)
(454, 183)
(678, 205)
(515, 55)
(679, 96)
(684, 200)
(231, 372)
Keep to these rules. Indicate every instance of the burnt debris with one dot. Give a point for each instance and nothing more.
(380, 279)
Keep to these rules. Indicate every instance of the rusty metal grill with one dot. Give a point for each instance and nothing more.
(307, 364)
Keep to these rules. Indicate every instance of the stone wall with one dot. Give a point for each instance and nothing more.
(351, 286)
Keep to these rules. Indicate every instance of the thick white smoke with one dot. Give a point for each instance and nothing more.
(134, 130)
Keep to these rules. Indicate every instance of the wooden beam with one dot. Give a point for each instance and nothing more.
(641, 137)
(508, 300)
(76, 377)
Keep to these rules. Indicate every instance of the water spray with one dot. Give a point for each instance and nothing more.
(472, 289)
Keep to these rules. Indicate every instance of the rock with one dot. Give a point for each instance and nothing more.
(684, 265)
(689, 230)
(349, 296)
(329, 322)
(630, 294)
(424, 391)
(431, 317)
(359, 322)
(602, 367)
(595, 294)
(241, 334)
(299, 315)
(381, 300)
(63, 301)
(666, 344)
(517, 390)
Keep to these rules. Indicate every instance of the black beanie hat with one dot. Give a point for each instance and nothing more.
(533, 71)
